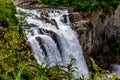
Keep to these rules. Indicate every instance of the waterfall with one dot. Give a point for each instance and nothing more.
(53, 41)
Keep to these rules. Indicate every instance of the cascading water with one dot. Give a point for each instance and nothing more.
(53, 41)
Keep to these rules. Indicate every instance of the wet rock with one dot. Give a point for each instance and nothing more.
(44, 13)
(41, 45)
(84, 29)
(47, 20)
(64, 18)
(49, 33)
(55, 23)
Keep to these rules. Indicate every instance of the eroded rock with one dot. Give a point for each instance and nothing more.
(94, 34)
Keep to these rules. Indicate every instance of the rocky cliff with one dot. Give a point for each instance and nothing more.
(97, 35)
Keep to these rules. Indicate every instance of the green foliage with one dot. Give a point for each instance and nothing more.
(86, 5)
(12, 52)
(33, 71)
(7, 13)
(100, 74)
(103, 16)
(22, 21)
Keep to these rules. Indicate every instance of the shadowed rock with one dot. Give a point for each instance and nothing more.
(55, 23)
(46, 32)
(44, 14)
(65, 18)
(49, 33)
(47, 20)
(41, 45)
(25, 2)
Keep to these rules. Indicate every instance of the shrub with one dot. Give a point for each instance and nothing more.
(7, 13)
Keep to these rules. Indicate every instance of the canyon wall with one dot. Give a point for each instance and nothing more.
(94, 33)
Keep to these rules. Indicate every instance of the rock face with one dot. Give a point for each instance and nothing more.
(23, 2)
(84, 28)
(90, 30)
(29, 3)
(93, 33)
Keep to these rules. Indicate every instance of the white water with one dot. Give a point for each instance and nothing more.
(60, 52)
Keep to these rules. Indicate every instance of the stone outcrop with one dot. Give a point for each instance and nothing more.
(90, 29)
(30, 3)
(84, 29)
(93, 33)
(36, 4)
(25, 2)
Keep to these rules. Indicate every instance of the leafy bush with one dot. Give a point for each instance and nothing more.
(7, 13)
(12, 53)
(99, 74)
(33, 71)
